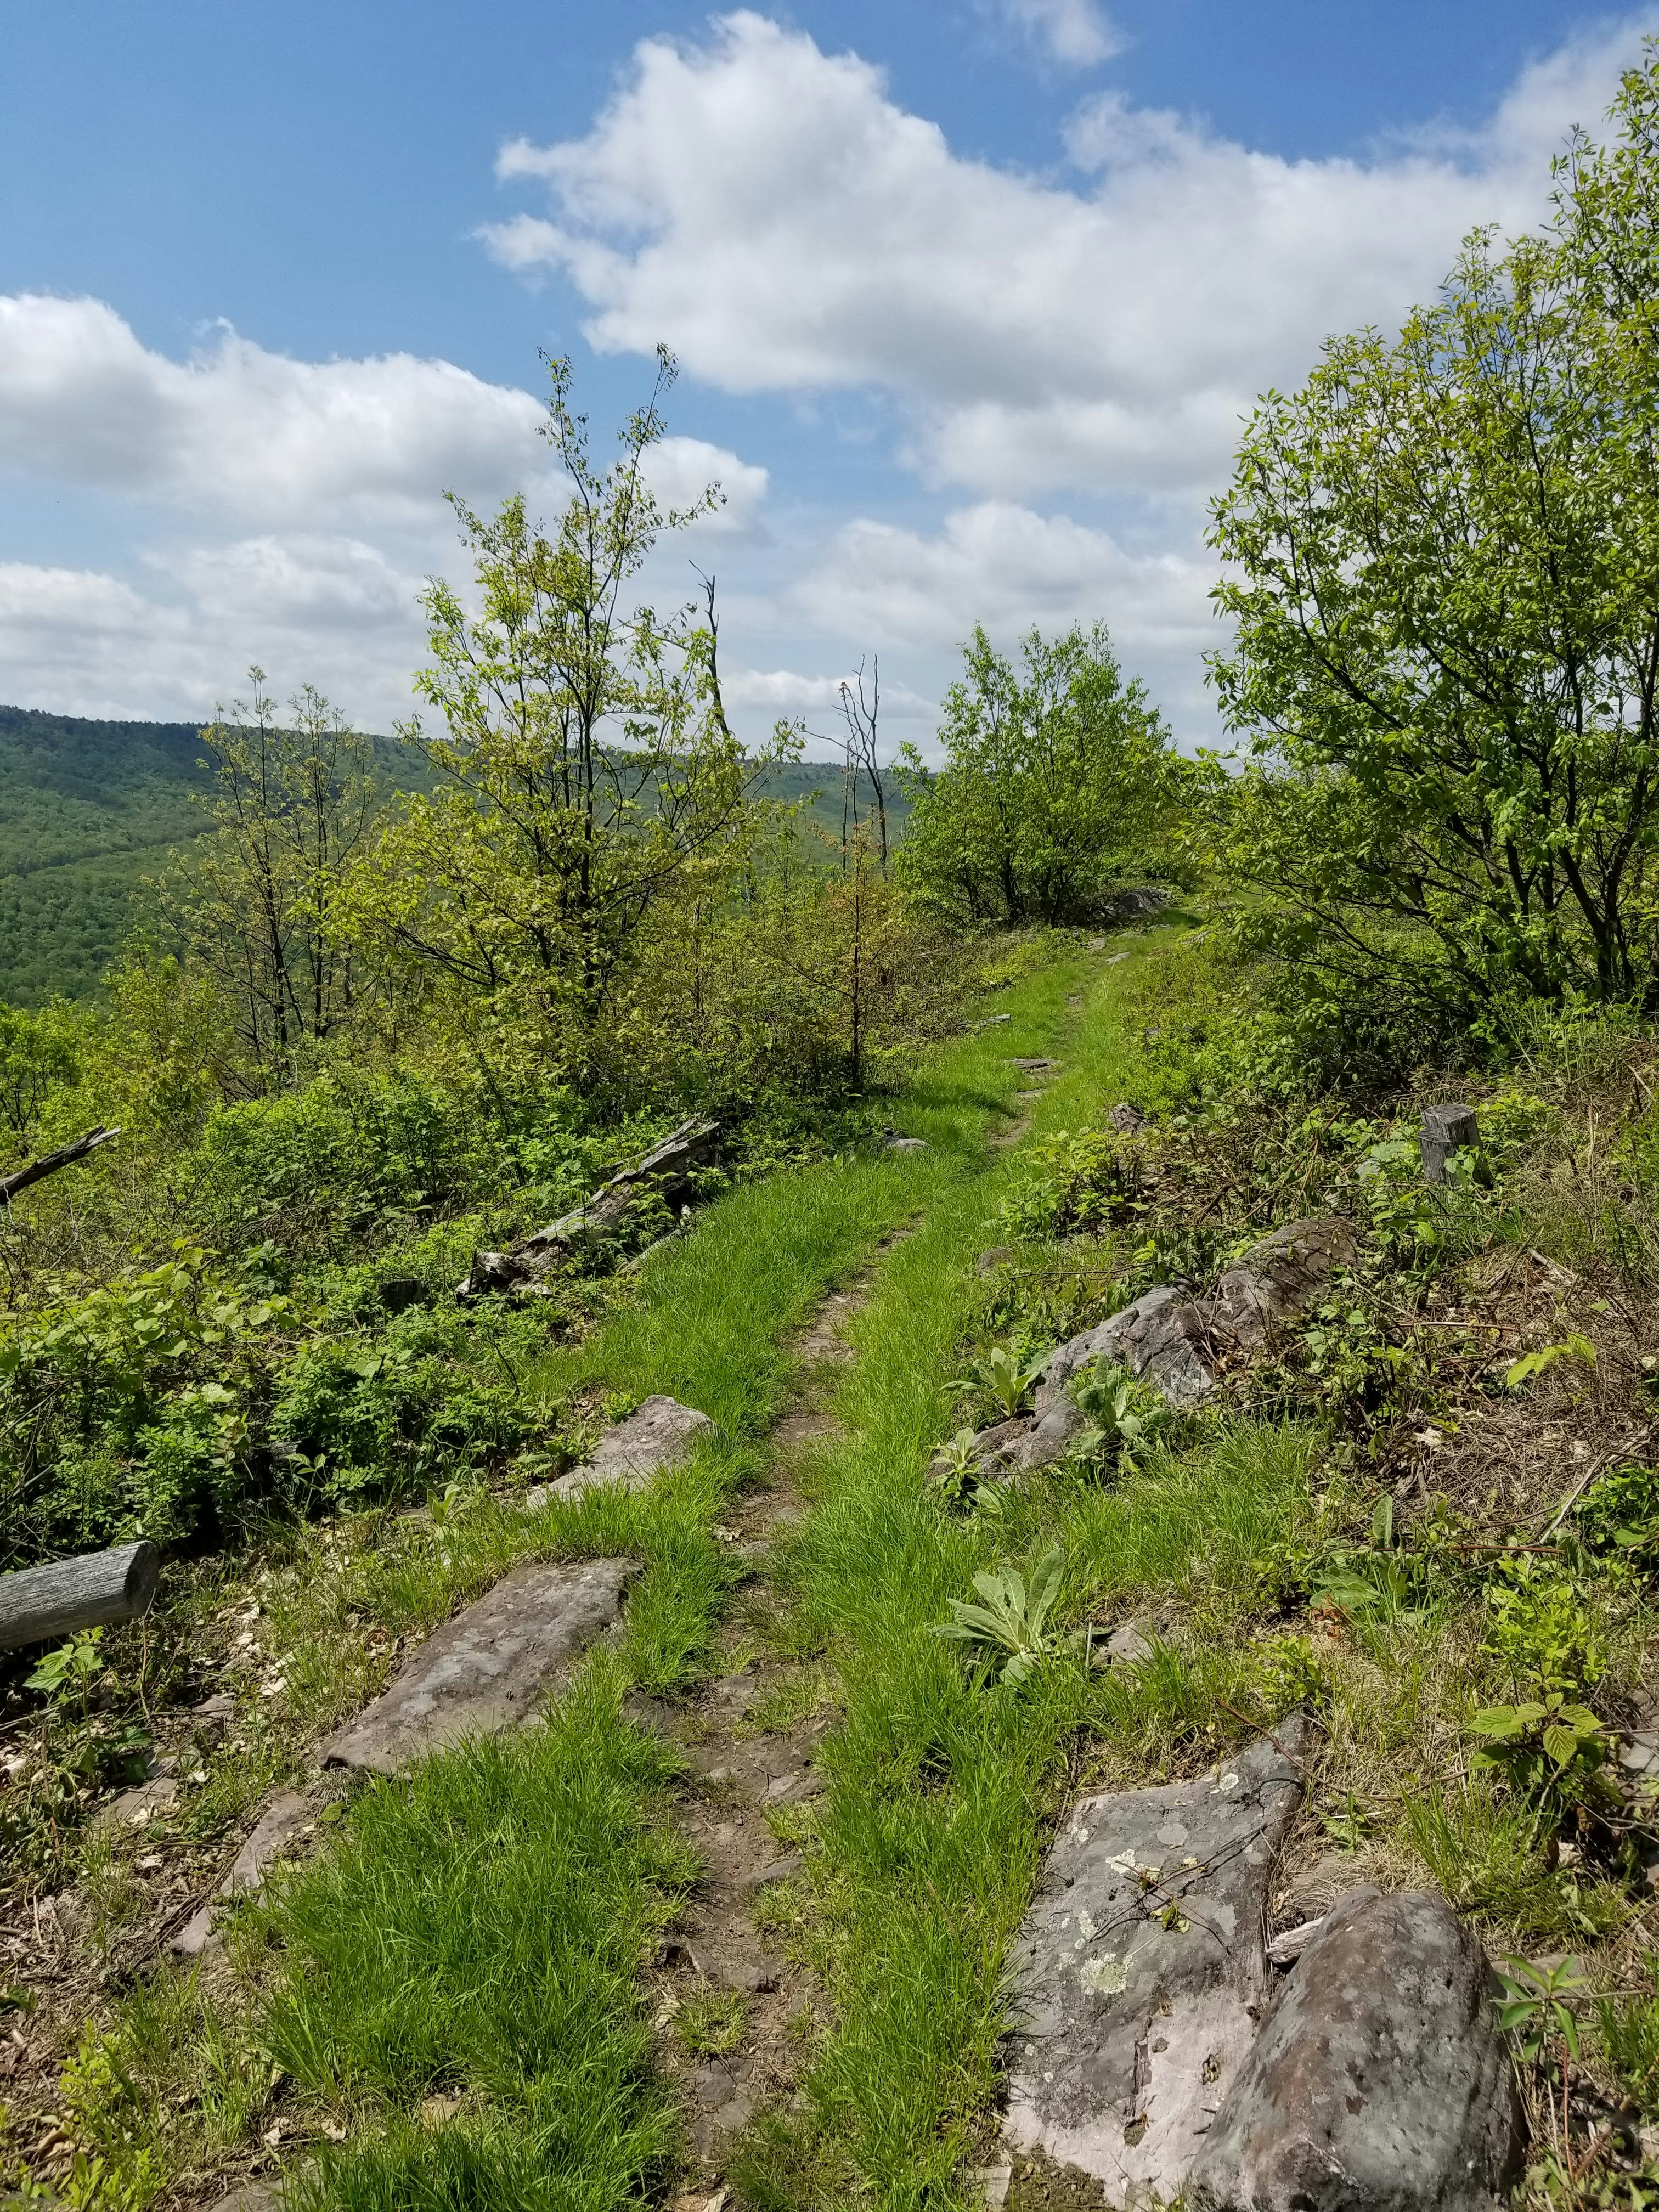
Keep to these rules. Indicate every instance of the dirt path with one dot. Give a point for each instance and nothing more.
(722, 1977)
(723, 1961)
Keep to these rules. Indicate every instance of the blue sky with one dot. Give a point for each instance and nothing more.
(970, 298)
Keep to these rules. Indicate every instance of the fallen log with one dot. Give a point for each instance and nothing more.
(49, 1162)
(667, 1169)
(38, 1604)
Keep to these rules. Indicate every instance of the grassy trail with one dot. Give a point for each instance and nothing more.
(458, 1985)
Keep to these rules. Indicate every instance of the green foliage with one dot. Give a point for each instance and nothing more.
(1001, 1379)
(1126, 1416)
(255, 910)
(1627, 2027)
(40, 1055)
(1544, 1622)
(959, 1471)
(590, 788)
(1438, 570)
(1060, 782)
(1576, 1345)
(1550, 1750)
(1072, 1179)
(71, 1669)
(1535, 2005)
(1012, 1617)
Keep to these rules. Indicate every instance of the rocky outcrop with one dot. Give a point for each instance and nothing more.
(1277, 1277)
(1153, 2050)
(1181, 1342)
(1140, 1974)
(1380, 2084)
(658, 1433)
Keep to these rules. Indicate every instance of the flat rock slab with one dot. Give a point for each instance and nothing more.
(1381, 2083)
(278, 1825)
(489, 1667)
(658, 1433)
(1163, 1336)
(1140, 1975)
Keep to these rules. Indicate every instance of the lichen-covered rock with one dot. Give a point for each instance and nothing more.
(1048, 1438)
(1140, 1975)
(1160, 1336)
(1164, 1338)
(1180, 1342)
(1275, 1279)
(1380, 2084)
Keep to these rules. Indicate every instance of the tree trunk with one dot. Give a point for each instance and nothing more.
(39, 1603)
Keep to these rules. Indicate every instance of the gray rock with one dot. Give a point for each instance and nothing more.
(1138, 1974)
(997, 1257)
(489, 1667)
(278, 1825)
(1638, 1755)
(783, 1869)
(1131, 1642)
(658, 1434)
(1381, 2083)
(908, 1145)
(1446, 1129)
(1126, 1119)
(1140, 899)
(134, 1808)
(992, 1446)
(1277, 1277)
(1033, 1064)
(1048, 1439)
(1164, 1337)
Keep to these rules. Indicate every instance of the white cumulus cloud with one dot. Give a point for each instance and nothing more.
(82, 400)
(771, 212)
(1011, 569)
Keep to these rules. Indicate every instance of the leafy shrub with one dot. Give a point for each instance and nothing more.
(1074, 1179)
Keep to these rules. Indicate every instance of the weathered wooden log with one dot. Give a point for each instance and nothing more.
(666, 1170)
(49, 1162)
(39, 1603)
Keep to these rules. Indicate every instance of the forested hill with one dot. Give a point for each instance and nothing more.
(89, 808)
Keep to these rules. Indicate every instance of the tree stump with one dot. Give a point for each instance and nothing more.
(1446, 1129)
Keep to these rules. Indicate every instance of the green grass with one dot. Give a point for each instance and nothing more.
(479, 1932)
